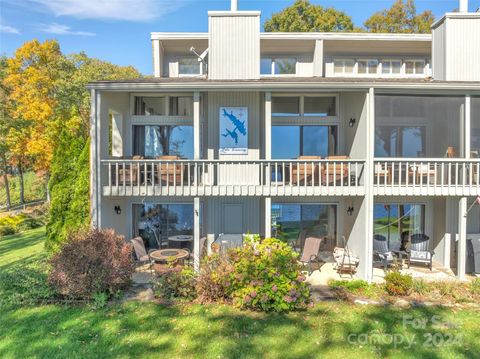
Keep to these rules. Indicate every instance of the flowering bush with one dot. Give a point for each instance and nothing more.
(398, 284)
(266, 276)
(213, 283)
(176, 282)
(90, 262)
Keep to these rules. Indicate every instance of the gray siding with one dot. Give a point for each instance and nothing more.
(234, 46)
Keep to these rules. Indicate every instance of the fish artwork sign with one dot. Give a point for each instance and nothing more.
(233, 131)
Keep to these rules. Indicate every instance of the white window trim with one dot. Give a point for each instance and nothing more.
(272, 70)
(301, 118)
(379, 73)
(177, 59)
(390, 74)
(367, 60)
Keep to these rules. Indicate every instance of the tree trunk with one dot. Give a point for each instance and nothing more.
(47, 189)
(7, 188)
(22, 188)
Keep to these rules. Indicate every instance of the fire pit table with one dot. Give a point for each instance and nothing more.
(162, 258)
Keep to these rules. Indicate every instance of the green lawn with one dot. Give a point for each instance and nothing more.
(134, 330)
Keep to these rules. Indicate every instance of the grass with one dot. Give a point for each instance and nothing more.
(149, 330)
(34, 188)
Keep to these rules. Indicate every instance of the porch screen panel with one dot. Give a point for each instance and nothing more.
(155, 141)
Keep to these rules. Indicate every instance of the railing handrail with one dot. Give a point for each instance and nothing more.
(151, 160)
(416, 159)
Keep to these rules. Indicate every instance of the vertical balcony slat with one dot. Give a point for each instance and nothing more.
(283, 175)
(123, 175)
(110, 177)
(116, 179)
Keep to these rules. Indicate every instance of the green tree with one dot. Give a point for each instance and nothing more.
(402, 17)
(303, 16)
(69, 182)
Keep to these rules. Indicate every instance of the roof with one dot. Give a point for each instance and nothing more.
(279, 83)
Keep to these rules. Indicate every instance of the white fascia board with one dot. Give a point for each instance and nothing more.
(178, 35)
(234, 13)
(473, 88)
(344, 36)
(455, 15)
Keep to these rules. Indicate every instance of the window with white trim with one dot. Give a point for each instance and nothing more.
(313, 106)
(414, 67)
(344, 66)
(189, 66)
(274, 66)
(391, 67)
(367, 66)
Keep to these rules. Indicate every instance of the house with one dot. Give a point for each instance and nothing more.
(329, 134)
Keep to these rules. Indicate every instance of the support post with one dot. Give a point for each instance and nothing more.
(268, 217)
(467, 126)
(196, 125)
(94, 158)
(268, 125)
(462, 238)
(196, 234)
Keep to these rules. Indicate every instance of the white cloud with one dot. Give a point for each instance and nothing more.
(59, 29)
(130, 10)
(9, 29)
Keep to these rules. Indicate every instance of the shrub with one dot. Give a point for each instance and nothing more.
(213, 282)
(92, 261)
(266, 276)
(421, 287)
(7, 230)
(177, 282)
(398, 284)
(475, 286)
(28, 223)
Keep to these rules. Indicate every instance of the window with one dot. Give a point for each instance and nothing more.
(344, 66)
(189, 66)
(150, 106)
(391, 67)
(278, 66)
(168, 140)
(396, 222)
(367, 66)
(414, 67)
(290, 142)
(317, 220)
(320, 106)
(156, 106)
(400, 141)
(156, 222)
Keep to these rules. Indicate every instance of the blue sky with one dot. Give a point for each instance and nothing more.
(118, 30)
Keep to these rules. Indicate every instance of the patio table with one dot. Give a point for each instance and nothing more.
(181, 241)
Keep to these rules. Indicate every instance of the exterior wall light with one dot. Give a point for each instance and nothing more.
(350, 210)
(118, 210)
(351, 122)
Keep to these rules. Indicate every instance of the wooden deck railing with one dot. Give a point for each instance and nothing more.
(427, 176)
(218, 177)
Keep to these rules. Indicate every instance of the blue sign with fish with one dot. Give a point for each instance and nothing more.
(233, 131)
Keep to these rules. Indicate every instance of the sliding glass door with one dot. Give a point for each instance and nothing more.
(316, 220)
(396, 222)
(152, 141)
(155, 223)
(290, 142)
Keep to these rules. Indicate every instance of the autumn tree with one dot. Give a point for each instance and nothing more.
(4, 129)
(402, 17)
(303, 16)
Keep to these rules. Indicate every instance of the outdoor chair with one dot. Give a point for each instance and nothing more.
(382, 171)
(381, 253)
(169, 172)
(310, 252)
(333, 172)
(421, 173)
(345, 260)
(143, 257)
(305, 172)
(300, 241)
(420, 250)
(129, 175)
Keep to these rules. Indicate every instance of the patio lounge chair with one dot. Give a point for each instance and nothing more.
(420, 250)
(381, 253)
(143, 257)
(345, 260)
(130, 173)
(305, 171)
(420, 171)
(333, 172)
(310, 252)
(169, 172)
(382, 171)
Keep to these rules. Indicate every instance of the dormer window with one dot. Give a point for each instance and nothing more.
(391, 67)
(414, 67)
(189, 66)
(344, 66)
(367, 66)
(277, 66)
